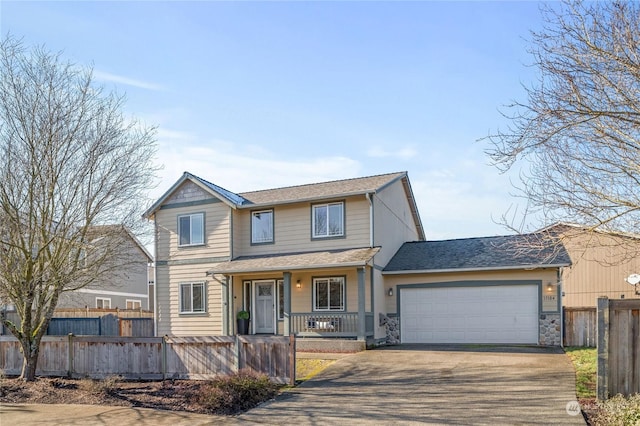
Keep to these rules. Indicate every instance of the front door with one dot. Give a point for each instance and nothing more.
(264, 307)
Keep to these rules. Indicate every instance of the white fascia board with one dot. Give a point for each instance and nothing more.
(110, 293)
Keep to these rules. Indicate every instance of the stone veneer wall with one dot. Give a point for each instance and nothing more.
(392, 325)
(550, 330)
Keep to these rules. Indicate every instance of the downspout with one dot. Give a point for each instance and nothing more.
(155, 278)
(368, 196)
(560, 293)
(373, 264)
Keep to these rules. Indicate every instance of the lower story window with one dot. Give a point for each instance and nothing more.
(134, 304)
(328, 294)
(103, 302)
(192, 298)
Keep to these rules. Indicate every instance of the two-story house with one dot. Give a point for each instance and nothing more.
(304, 259)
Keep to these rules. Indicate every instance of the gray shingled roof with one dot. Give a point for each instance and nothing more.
(504, 252)
(297, 261)
(315, 191)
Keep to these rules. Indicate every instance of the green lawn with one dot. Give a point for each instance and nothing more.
(585, 362)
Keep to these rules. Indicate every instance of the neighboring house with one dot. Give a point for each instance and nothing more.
(305, 259)
(477, 290)
(601, 263)
(127, 289)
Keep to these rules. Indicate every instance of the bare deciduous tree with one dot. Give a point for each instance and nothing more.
(71, 166)
(579, 131)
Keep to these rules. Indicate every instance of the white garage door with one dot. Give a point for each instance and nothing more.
(482, 314)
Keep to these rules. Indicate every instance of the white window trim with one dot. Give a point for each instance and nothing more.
(133, 301)
(190, 215)
(204, 297)
(253, 213)
(104, 299)
(344, 294)
(313, 220)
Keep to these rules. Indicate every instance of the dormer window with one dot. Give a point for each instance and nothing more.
(262, 227)
(191, 229)
(328, 220)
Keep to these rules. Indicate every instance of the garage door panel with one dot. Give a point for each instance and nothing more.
(481, 314)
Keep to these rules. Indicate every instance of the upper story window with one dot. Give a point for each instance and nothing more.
(328, 220)
(191, 229)
(262, 227)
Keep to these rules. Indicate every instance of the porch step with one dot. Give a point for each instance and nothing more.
(329, 345)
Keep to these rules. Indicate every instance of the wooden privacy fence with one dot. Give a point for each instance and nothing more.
(155, 358)
(107, 325)
(618, 347)
(580, 327)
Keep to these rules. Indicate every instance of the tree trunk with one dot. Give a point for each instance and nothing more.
(30, 351)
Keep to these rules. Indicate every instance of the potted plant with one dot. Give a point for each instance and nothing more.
(242, 318)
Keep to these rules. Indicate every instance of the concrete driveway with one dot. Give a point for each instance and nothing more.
(432, 385)
(398, 385)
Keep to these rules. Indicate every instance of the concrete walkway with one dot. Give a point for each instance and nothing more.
(399, 385)
(432, 385)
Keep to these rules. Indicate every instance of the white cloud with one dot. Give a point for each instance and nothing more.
(243, 168)
(114, 78)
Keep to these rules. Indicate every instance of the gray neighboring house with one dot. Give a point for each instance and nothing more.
(128, 292)
(502, 289)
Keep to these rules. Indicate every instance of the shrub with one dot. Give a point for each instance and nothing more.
(236, 393)
(618, 411)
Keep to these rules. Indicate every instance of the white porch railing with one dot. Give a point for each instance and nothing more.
(329, 324)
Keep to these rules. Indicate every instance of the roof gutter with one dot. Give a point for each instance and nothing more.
(489, 268)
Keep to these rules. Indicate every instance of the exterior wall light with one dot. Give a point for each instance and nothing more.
(390, 292)
(298, 284)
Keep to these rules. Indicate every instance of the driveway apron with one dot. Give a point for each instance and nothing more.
(417, 384)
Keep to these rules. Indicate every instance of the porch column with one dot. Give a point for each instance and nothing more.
(226, 309)
(287, 303)
(362, 326)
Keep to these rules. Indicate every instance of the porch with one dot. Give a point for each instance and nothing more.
(318, 294)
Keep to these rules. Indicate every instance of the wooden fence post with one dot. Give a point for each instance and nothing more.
(70, 350)
(292, 359)
(603, 349)
(236, 355)
(164, 357)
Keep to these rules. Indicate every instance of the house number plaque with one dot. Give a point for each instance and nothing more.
(550, 302)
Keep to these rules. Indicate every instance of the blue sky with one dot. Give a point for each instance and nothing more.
(254, 95)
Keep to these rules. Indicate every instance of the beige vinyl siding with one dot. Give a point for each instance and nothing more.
(217, 219)
(393, 222)
(600, 265)
(544, 275)
(292, 226)
(170, 321)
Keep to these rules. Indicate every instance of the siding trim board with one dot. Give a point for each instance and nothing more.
(193, 261)
(189, 204)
